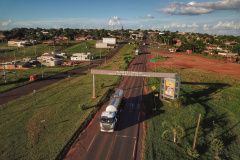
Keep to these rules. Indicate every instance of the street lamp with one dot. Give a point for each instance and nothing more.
(69, 79)
(35, 93)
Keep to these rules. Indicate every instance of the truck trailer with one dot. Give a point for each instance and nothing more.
(108, 118)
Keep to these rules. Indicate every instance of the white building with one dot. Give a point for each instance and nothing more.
(49, 59)
(81, 56)
(110, 40)
(227, 54)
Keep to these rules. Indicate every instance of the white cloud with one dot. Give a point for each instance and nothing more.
(206, 27)
(147, 16)
(140, 27)
(175, 25)
(114, 21)
(7, 23)
(193, 8)
(60, 26)
(223, 26)
(116, 18)
(227, 25)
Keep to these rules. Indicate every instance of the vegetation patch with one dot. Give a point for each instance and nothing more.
(86, 47)
(23, 76)
(213, 96)
(30, 131)
(158, 58)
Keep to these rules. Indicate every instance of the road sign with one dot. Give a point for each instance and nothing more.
(152, 60)
(153, 87)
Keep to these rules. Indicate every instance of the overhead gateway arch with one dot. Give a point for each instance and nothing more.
(129, 73)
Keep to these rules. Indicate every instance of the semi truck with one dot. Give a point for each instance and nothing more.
(109, 117)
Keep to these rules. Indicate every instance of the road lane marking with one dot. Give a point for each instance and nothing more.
(91, 142)
(126, 136)
(134, 148)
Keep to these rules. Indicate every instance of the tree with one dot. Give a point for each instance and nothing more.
(199, 46)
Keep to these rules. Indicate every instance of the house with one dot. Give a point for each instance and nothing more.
(23, 64)
(50, 59)
(212, 47)
(227, 54)
(81, 56)
(105, 43)
(15, 42)
(62, 55)
(172, 49)
(81, 39)
(178, 44)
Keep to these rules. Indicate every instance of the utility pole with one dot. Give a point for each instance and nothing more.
(41, 67)
(195, 139)
(69, 80)
(35, 94)
(4, 73)
(15, 66)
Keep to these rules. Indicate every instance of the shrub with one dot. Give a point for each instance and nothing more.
(192, 153)
(178, 102)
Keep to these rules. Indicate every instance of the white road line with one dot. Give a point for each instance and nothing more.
(126, 136)
(91, 142)
(134, 148)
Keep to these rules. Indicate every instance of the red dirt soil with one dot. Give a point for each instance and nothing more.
(188, 61)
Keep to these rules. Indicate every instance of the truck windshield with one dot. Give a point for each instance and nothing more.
(107, 120)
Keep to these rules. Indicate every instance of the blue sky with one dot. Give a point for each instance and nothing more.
(221, 17)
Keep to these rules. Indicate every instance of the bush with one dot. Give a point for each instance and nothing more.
(178, 102)
(192, 153)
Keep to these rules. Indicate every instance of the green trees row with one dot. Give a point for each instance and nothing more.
(37, 34)
(197, 41)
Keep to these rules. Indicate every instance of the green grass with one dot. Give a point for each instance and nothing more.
(30, 131)
(215, 97)
(158, 58)
(30, 51)
(81, 48)
(23, 76)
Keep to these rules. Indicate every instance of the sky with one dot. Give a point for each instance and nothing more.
(220, 17)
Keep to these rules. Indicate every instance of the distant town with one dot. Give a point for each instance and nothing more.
(21, 38)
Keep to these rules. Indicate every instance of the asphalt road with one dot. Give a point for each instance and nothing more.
(26, 89)
(122, 143)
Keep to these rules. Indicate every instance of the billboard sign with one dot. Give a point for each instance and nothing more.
(169, 87)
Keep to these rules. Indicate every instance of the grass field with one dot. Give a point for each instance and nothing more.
(215, 97)
(30, 131)
(32, 51)
(24, 75)
(81, 48)
(158, 58)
